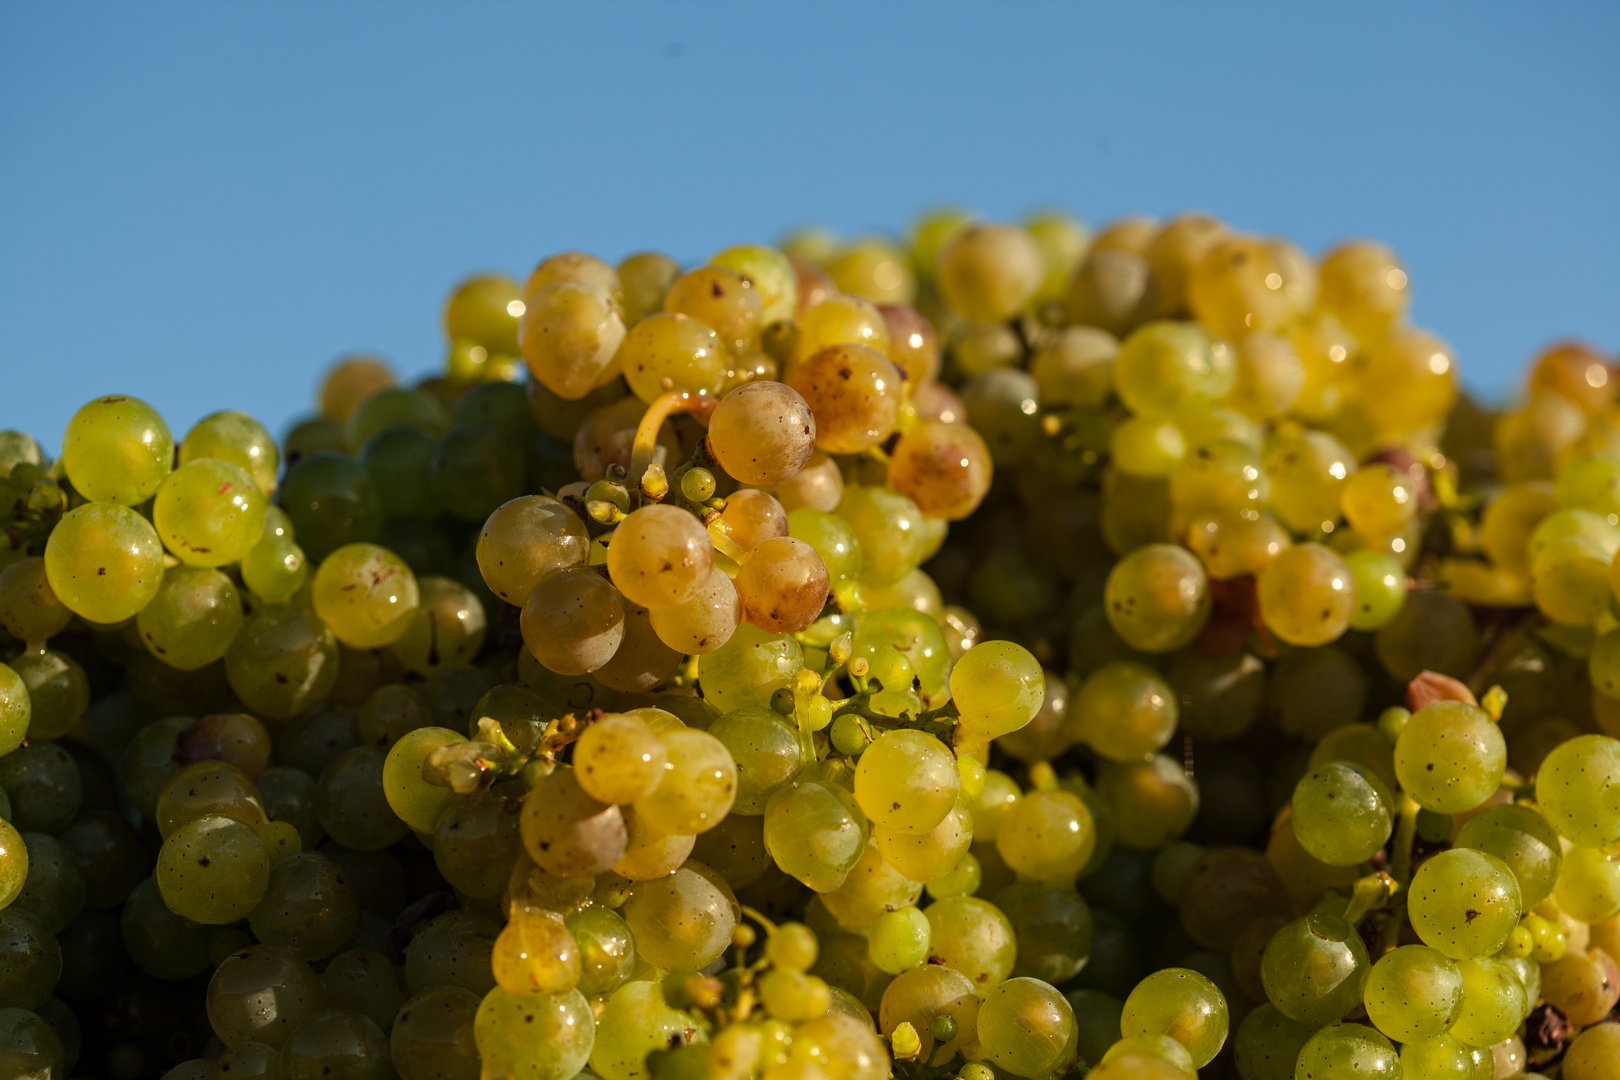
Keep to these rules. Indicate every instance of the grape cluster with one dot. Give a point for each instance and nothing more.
(621, 703)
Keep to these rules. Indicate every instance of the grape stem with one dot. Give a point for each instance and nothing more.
(665, 405)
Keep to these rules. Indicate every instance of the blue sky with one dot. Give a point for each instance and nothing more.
(203, 204)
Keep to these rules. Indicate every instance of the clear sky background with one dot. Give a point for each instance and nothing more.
(203, 204)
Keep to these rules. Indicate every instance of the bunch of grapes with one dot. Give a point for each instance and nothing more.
(621, 704)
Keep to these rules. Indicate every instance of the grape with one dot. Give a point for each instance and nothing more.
(870, 889)
(853, 393)
(335, 1043)
(705, 622)
(1493, 1002)
(476, 843)
(331, 501)
(683, 920)
(1524, 840)
(944, 467)
(974, 938)
(1182, 1004)
(1347, 1052)
(570, 336)
(920, 995)
(697, 786)
(566, 831)
(30, 1049)
(660, 556)
(366, 595)
(446, 630)
(1450, 757)
(1588, 886)
(1047, 836)
(618, 759)
(1314, 969)
(260, 994)
(762, 433)
(1578, 788)
(209, 512)
(815, 831)
(192, 620)
(906, 781)
(432, 1036)
(213, 869)
(1266, 1044)
(117, 448)
(473, 471)
(29, 609)
(1342, 813)
(1307, 595)
(453, 950)
(573, 621)
(1157, 598)
(104, 562)
(1414, 993)
(782, 586)
(1464, 903)
(1593, 1053)
(750, 667)
(1027, 1027)
(57, 688)
(636, 1020)
(1379, 585)
(989, 272)
(1580, 985)
(366, 982)
(207, 787)
(1152, 802)
(650, 851)
(998, 687)
(766, 753)
(1125, 712)
(535, 954)
(352, 802)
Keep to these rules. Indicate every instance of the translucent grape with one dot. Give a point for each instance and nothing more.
(1379, 584)
(1266, 1044)
(192, 620)
(418, 803)
(783, 585)
(352, 802)
(1182, 1004)
(906, 781)
(29, 609)
(1413, 993)
(921, 995)
(570, 336)
(1152, 802)
(766, 753)
(1342, 813)
(535, 954)
(282, 661)
(636, 1020)
(660, 556)
(1493, 1002)
(1348, 1052)
(683, 920)
(1464, 903)
(117, 449)
(208, 787)
(209, 512)
(1588, 886)
(104, 561)
(762, 433)
(1167, 368)
(1314, 969)
(1415, 376)
(57, 689)
(446, 630)
(573, 621)
(1524, 840)
(309, 907)
(944, 467)
(889, 529)
(998, 687)
(1450, 757)
(569, 833)
(989, 272)
(1027, 1027)
(853, 393)
(974, 938)
(1125, 712)
(335, 1043)
(749, 668)
(1578, 789)
(331, 501)
(1157, 598)
(815, 831)
(1364, 284)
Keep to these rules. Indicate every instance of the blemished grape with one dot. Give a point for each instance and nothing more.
(1450, 757)
(853, 393)
(762, 433)
(1464, 903)
(573, 621)
(209, 512)
(118, 449)
(1342, 813)
(660, 556)
(1307, 595)
(104, 562)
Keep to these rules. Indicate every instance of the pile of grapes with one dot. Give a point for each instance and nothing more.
(1013, 653)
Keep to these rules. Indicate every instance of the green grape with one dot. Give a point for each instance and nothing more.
(526, 539)
(352, 802)
(15, 709)
(772, 275)
(906, 781)
(1182, 1004)
(432, 1036)
(1125, 711)
(1047, 836)
(30, 960)
(282, 661)
(310, 741)
(672, 347)
(13, 863)
(117, 448)
(607, 950)
(535, 954)
(567, 832)
(923, 995)
(213, 869)
(192, 620)
(735, 848)
(1439, 1058)
(815, 831)
(766, 752)
(1307, 595)
(698, 785)
(391, 712)
(1157, 598)
(889, 531)
(453, 949)
(446, 630)
(18, 448)
(998, 688)
(853, 391)
(1493, 1002)
(237, 438)
(898, 940)
(870, 889)
(1450, 757)
(331, 501)
(209, 513)
(1569, 577)
(366, 595)
(1588, 886)
(619, 758)
(251, 1060)
(1379, 584)
(833, 540)
(260, 994)
(1342, 813)
(207, 787)
(1027, 1027)
(44, 785)
(1308, 472)
(925, 857)
(1348, 1052)
(974, 938)
(1413, 993)
(473, 471)
(1593, 1054)
(1147, 446)
(104, 561)
(1524, 840)
(636, 1020)
(660, 556)
(1434, 631)
(1221, 477)
(1267, 1044)
(909, 633)
(1169, 368)
(1464, 903)
(1152, 802)
(1315, 692)
(1230, 545)
(367, 982)
(53, 891)
(476, 843)
(1055, 933)
(683, 920)
(749, 668)
(1313, 969)
(275, 568)
(396, 459)
(335, 1044)
(1578, 789)
(309, 907)
(58, 690)
(30, 1048)
(29, 610)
